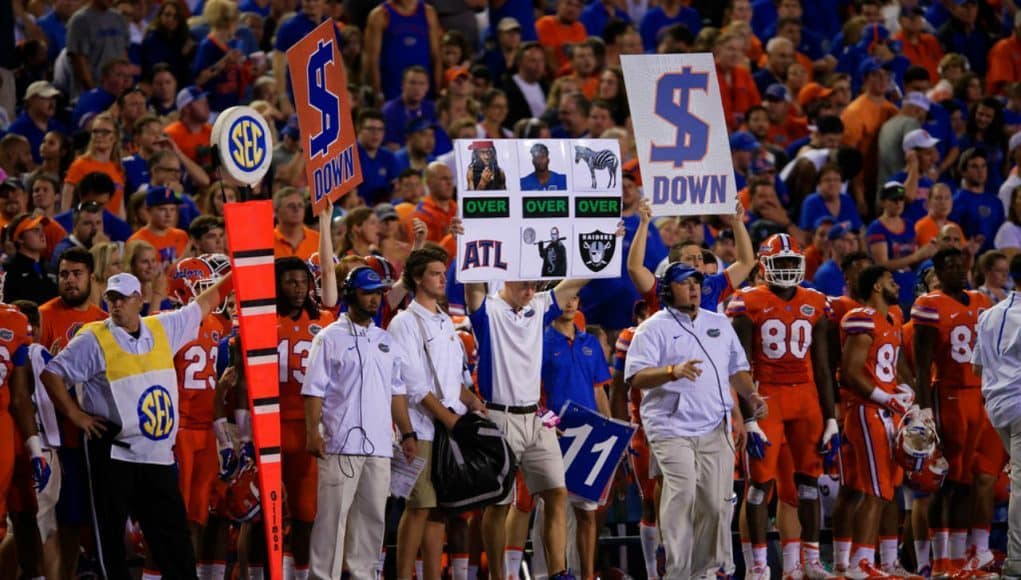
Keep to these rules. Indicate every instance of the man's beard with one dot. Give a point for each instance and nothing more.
(77, 300)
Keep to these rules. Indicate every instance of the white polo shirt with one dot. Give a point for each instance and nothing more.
(998, 351)
(355, 371)
(447, 356)
(510, 348)
(685, 408)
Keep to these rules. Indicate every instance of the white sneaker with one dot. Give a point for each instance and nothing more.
(814, 570)
(864, 570)
(758, 573)
(977, 565)
(798, 573)
(896, 570)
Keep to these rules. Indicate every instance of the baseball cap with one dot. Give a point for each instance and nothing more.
(364, 278)
(28, 222)
(159, 195)
(455, 72)
(679, 272)
(838, 231)
(777, 92)
(918, 139)
(188, 95)
(918, 99)
(868, 66)
(812, 92)
(418, 124)
(892, 190)
(871, 34)
(385, 211)
(11, 183)
(634, 173)
(41, 89)
(291, 129)
(1015, 141)
(124, 284)
(762, 165)
(743, 141)
(823, 220)
(508, 23)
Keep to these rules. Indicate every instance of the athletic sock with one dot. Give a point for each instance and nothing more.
(842, 553)
(459, 567)
(863, 552)
(980, 538)
(203, 570)
(473, 572)
(151, 575)
(941, 544)
(958, 546)
(301, 572)
(922, 554)
(759, 554)
(288, 566)
(418, 569)
(810, 551)
(512, 561)
(791, 555)
(746, 553)
(888, 550)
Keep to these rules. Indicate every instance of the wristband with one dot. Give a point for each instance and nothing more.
(670, 372)
(34, 445)
(409, 435)
(243, 419)
(880, 396)
(222, 431)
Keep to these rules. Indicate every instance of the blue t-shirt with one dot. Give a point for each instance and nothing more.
(898, 245)
(24, 126)
(655, 20)
(814, 207)
(396, 118)
(403, 159)
(829, 279)
(978, 213)
(378, 174)
(523, 12)
(289, 33)
(455, 289)
(56, 35)
(594, 17)
(937, 123)
(95, 101)
(405, 43)
(222, 88)
(572, 369)
(994, 160)
(556, 182)
(136, 173)
(252, 6)
(714, 286)
(917, 208)
(115, 228)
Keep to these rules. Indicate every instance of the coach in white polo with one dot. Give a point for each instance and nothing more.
(508, 328)
(685, 359)
(997, 357)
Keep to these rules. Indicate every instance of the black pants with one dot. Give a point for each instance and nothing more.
(150, 494)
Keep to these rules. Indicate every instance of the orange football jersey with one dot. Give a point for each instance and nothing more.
(295, 338)
(15, 336)
(782, 341)
(195, 364)
(955, 323)
(59, 323)
(881, 360)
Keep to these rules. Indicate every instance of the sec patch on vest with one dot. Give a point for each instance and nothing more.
(156, 413)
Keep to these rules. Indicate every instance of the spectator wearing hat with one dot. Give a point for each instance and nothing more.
(920, 157)
(829, 278)
(913, 110)
(411, 105)
(400, 35)
(876, 43)
(379, 164)
(115, 79)
(829, 200)
(171, 243)
(527, 88)
(779, 56)
(165, 170)
(1014, 178)
(26, 277)
(978, 212)
(420, 143)
(37, 118)
(890, 240)
(785, 125)
(557, 32)
(192, 131)
(962, 35)
(744, 147)
(14, 200)
(865, 116)
(917, 45)
(99, 188)
(500, 59)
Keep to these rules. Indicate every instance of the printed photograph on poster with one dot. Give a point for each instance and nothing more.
(543, 165)
(486, 164)
(544, 254)
(596, 165)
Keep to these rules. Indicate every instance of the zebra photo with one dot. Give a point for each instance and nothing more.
(597, 160)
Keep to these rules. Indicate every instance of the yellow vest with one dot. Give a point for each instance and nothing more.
(144, 390)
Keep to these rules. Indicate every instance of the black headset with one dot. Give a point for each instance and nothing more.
(663, 291)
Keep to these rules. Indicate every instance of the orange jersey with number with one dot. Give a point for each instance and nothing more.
(881, 360)
(15, 336)
(295, 338)
(955, 325)
(781, 345)
(195, 364)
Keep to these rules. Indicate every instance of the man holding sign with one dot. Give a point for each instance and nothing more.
(685, 406)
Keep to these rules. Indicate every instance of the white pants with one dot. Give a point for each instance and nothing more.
(1011, 436)
(348, 529)
(695, 508)
(46, 515)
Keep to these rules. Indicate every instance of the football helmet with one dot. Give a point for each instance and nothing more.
(242, 497)
(192, 276)
(315, 266)
(930, 477)
(386, 270)
(915, 440)
(783, 263)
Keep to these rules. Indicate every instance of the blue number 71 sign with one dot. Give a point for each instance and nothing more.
(592, 445)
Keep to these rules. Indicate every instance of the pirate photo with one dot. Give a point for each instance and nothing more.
(595, 164)
(484, 162)
(544, 251)
(543, 165)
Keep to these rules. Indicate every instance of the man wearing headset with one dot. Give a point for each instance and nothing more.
(685, 410)
(352, 385)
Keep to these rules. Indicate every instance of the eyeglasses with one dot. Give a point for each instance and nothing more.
(102, 132)
(167, 169)
(88, 206)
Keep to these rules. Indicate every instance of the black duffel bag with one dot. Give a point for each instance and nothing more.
(472, 466)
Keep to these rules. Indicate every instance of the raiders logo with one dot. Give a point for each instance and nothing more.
(807, 310)
(596, 249)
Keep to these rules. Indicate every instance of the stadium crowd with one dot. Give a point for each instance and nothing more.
(876, 147)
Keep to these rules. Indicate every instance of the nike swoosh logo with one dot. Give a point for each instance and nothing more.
(352, 347)
(954, 315)
(768, 309)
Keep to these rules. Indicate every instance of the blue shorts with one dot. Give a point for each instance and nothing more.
(73, 503)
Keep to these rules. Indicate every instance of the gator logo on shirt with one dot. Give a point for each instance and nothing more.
(6, 334)
(713, 332)
(314, 329)
(384, 347)
(807, 310)
(156, 413)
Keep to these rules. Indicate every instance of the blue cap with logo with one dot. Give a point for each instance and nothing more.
(679, 272)
(366, 279)
(291, 128)
(159, 195)
(743, 141)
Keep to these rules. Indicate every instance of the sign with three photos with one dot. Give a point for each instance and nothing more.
(538, 209)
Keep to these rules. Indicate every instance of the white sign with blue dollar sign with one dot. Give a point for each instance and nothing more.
(682, 140)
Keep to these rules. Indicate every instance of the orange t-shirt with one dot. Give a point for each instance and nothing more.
(1004, 65)
(927, 52)
(556, 35)
(436, 219)
(195, 364)
(955, 324)
(813, 259)
(83, 166)
(304, 250)
(862, 120)
(790, 130)
(187, 141)
(295, 343)
(171, 245)
(926, 230)
(738, 94)
(55, 233)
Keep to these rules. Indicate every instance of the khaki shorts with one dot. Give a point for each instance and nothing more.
(536, 448)
(46, 516)
(423, 495)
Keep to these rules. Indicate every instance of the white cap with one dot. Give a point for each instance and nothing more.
(918, 139)
(124, 284)
(918, 99)
(1015, 139)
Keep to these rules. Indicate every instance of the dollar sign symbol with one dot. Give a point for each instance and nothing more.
(692, 139)
(324, 100)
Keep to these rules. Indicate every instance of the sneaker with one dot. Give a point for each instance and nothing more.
(798, 573)
(760, 572)
(865, 570)
(925, 571)
(661, 561)
(979, 565)
(814, 570)
(895, 570)
(944, 569)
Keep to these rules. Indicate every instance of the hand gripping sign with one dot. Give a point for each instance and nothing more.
(592, 445)
(680, 132)
(324, 115)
